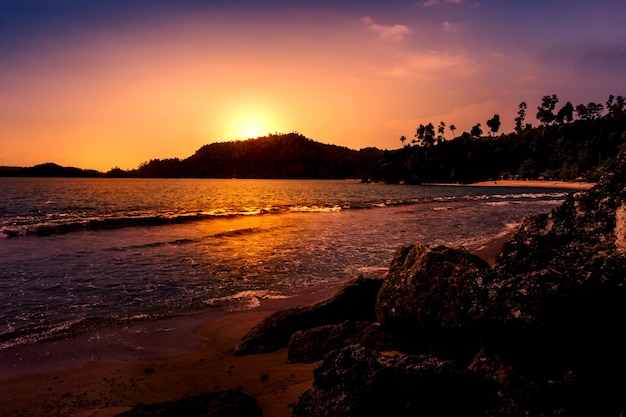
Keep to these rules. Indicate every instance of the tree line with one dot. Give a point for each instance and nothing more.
(571, 142)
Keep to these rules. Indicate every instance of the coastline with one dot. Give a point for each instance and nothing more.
(558, 185)
(161, 363)
(581, 186)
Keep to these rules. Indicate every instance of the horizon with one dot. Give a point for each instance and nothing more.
(106, 84)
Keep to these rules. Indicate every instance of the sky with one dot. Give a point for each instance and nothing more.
(104, 84)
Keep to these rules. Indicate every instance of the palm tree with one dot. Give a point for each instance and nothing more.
(452, 129)
(402, 139)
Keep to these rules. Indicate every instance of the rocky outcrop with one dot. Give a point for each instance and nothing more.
(427, 296)
(311, 345)
(541, 330)
(354, 302)
(356, 382)
(216, 404)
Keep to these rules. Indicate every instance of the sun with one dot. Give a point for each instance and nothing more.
(244, 119)
(251, 129)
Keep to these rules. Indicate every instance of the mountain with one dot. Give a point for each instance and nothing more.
(275, 156)
(48, 170)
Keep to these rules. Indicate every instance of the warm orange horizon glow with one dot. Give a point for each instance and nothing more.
(163, 85)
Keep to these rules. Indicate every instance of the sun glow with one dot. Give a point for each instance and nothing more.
(251, 129)
(250, 125)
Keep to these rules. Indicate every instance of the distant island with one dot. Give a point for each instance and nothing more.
(575, 143)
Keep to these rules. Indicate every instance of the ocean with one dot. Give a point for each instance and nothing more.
(83, 254)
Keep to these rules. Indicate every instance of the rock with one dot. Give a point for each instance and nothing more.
(355, 301)
(556, 303)
(355, 382)
(216, 404)
(427, 295)
(311, 345)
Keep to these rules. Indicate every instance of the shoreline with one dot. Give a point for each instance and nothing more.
(569, 185)
(106, 372)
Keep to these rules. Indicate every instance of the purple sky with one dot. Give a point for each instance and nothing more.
(115, 83)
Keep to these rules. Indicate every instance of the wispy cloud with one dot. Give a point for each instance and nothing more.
(385, 32)
(429, 3)
(432, 64)
(450, 27)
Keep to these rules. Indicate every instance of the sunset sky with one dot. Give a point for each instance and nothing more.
(100, 84)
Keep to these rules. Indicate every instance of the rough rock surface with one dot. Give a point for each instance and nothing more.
(542, 328)
(427, 295)
(216, 404)
(355, 301)
(356, 382)
(311, 345)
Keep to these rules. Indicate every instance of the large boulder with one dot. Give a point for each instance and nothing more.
(355, 301)
(216, 404)
(556, 304)
(313, 344)
(427, 296)
(355, 382)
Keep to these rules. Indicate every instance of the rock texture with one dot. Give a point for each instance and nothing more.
(311, 345)
(427, 296)
(538, 334)
(354, 302)
(358, 382)
(216, 404)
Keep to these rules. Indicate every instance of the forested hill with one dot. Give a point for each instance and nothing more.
(561, 148)
(275, 156)
(580, 149)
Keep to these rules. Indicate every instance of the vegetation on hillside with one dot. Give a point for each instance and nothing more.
(570, 143)
(274, 156)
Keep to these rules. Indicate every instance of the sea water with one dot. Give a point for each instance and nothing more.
(82, 254)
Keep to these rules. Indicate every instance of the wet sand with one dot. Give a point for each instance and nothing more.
(103, 373)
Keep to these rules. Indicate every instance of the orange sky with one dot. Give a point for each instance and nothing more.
(105, 92)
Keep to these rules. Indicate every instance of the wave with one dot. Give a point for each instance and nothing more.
(43, 332)
(244, 300)
(61, 223)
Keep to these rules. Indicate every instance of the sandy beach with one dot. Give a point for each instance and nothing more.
(158, 362)
(535, 184)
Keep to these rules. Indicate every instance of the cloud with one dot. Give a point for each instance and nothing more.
(450, 27)
(432, 65)
(392, 33)
(429, 3)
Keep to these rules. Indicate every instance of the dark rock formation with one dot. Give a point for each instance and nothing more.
(427, 296)
(355, 301)
(356, 382)
(216, 404)
(311, 345)
(542, 329)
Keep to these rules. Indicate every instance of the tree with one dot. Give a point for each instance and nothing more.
(565, 114)
(545, 112)
(402, 139)
(595, 110)
(441, 129)
(452, 129)
(476, 130)
(582, 112)
(429, 134)
(591, 111)
(419, 134)
(521, 115)
(494, 123)
(616, 108)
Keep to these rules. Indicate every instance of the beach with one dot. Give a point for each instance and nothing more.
(570, 185)
(155, 309)
(169, 363)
